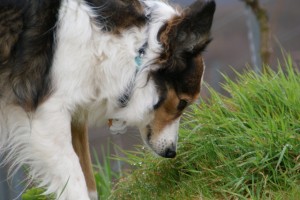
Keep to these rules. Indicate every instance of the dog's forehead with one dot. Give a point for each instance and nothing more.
(190, 79)
(186, 81)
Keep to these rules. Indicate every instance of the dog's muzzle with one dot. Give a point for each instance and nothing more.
(163, 142)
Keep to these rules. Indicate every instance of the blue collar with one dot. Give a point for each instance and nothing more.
(139, 58)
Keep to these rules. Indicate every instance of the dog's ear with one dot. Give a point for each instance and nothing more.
(194, 31)
(188, 33)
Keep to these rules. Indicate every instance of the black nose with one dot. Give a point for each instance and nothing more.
(170, 153)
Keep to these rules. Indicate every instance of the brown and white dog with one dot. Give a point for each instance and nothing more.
(64, 63)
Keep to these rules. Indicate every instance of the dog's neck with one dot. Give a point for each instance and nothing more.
(125, 97)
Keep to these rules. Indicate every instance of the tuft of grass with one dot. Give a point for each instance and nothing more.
(35, 194)
(104, 177)
(104, 174)
(245, 146)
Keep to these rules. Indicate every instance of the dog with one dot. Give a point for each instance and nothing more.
(66, 64)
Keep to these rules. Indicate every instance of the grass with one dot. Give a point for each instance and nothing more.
(246, 146)
(104, 174)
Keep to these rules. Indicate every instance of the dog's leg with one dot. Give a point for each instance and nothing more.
(81, 147)
(54, 161)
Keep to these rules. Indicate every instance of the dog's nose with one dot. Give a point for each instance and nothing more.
(170, 153)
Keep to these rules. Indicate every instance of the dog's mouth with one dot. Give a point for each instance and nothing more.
(160, 144)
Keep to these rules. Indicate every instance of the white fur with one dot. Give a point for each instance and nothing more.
(90, 70)
(93, 195)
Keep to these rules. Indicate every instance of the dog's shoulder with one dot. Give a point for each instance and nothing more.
(118, 15)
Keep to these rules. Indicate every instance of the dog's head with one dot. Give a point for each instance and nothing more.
(176, 72)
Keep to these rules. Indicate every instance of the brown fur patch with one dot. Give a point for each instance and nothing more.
(166, 113)
(81, 146)
(164, 36)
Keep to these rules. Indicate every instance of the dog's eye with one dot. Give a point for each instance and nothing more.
(182, 104)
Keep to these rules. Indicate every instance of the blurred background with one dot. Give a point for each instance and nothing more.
(235, 44)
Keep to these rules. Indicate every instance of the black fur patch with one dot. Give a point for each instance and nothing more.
(149, 133)
(183, 82)
(29, 31)
(161, 87)
(125, 97)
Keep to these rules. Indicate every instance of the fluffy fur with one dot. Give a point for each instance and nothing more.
(64, 63)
